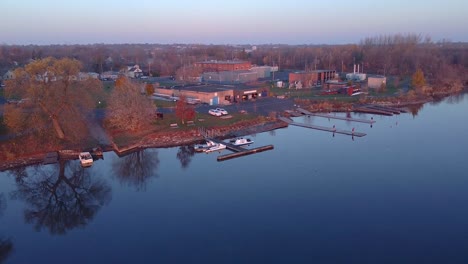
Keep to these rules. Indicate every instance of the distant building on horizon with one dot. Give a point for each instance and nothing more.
(229, 65)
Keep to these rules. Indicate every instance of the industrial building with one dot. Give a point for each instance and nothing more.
(356, 75)
(214, 94)
(311, 78)
(217, 66)
(239, 76)
(246, 93)
(209, 94)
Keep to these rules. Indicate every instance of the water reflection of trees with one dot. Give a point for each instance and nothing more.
(6, 247)
(61, 199)
(135, 169)
(415, 108)
(2, 203)
(184, 155)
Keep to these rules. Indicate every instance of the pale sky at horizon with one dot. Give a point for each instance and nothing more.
(227, 22)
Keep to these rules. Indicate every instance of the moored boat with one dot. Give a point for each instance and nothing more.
(202, 147)
(241, 141)
(216, 147)
(86, 159)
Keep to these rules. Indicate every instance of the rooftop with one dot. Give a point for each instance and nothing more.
(223, 62)
(204, 88)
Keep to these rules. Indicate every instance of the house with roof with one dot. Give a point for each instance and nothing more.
(9, 75)
(134, 71)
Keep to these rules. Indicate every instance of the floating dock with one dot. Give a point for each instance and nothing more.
(238, 151)
(328, 129)
(244, 152)
(335, 117)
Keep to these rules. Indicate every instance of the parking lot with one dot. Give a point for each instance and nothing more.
(262, 106)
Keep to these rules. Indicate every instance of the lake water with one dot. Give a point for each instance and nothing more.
(397, 195)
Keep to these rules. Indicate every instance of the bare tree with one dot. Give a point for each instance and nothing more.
(128, 108)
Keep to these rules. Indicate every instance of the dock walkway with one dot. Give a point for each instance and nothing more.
(238, 151)
(328, 129)
(336, 117)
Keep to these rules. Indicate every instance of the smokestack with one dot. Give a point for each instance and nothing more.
(362, 69)
(358, 68)
(354, 69)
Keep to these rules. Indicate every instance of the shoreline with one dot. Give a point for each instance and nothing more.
(169, 139)
(156, 140)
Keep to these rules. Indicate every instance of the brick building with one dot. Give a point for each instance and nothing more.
(311, 78)
(376, 82)
(216, 66)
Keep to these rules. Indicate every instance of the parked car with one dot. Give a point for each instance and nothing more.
(214, 112)
(222, 111)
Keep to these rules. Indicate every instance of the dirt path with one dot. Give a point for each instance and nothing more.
(97, 131)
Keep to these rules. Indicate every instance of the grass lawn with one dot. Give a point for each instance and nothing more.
(201, 120)
(164, 104)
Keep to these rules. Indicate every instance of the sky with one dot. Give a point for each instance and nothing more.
(43, 22)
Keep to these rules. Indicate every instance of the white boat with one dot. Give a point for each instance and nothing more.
(241, 141)
(202, 147)
(216, 147)
(86, 159)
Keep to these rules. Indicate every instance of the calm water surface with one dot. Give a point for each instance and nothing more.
(397, 195)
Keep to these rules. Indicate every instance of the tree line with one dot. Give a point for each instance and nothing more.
(397, 55)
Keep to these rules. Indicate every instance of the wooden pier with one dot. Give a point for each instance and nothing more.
(368, 110)
(328, 129)
(51, 157)
(335, 117)
(394, 110)
(238, 151)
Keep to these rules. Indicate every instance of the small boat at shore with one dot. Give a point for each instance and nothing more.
(216, 147)
(203, 147)
(241, 141)
(86, 159)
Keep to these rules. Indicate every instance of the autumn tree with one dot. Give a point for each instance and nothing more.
(128, 108)
(149, 89)
(56, 99)
(183, 110)
(418, 80)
